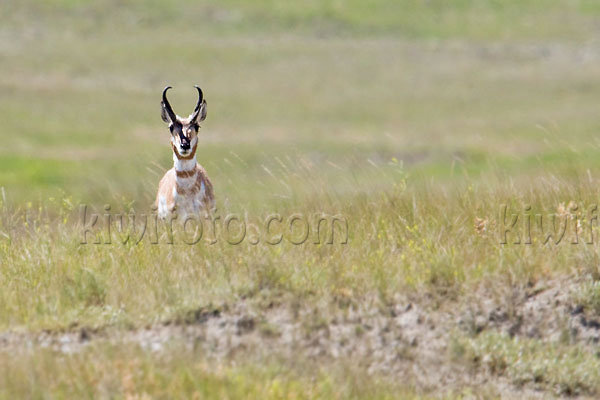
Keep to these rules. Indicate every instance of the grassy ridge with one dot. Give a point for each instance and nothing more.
(403, 241)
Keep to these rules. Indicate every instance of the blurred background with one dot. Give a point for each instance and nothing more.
(344, 91)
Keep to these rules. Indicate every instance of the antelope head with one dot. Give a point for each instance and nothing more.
(184, 131)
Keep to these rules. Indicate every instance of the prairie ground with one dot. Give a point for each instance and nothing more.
(455, 143)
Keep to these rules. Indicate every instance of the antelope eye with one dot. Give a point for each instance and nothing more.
(175, 129)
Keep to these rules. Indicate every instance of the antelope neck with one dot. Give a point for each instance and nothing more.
(185, 175)
(184, 168)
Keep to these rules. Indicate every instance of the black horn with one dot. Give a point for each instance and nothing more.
(167, 106)
(197, 109)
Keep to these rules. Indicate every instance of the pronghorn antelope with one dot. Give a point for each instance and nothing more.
(185, 188)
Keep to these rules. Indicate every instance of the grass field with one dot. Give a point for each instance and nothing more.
(415, 122)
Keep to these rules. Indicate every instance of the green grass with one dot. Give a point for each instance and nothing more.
(130, 372)
(412, 119)
(478, 19)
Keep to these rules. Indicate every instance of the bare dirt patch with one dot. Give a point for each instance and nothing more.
(404, 340)
(548, 311)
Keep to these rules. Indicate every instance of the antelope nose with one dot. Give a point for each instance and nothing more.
(185, 146)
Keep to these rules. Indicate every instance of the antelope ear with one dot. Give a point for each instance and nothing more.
(164, 114)
(202, 113)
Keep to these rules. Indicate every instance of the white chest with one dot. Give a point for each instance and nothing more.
(189, 199)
